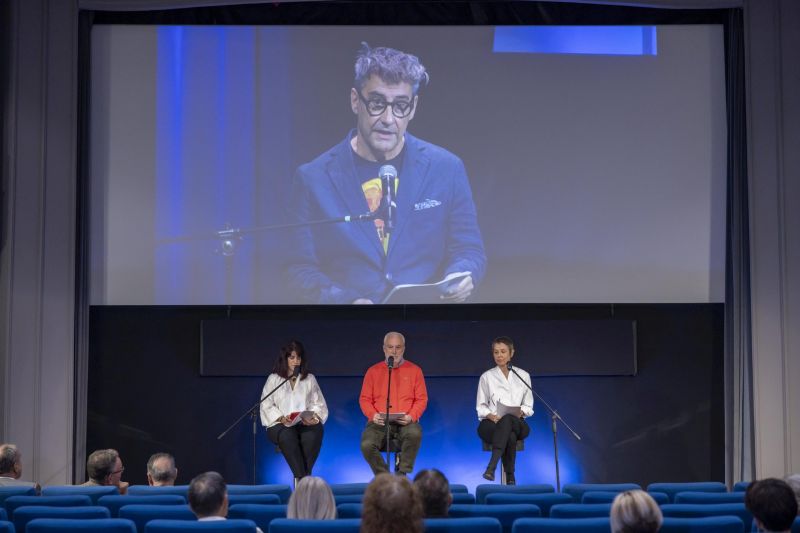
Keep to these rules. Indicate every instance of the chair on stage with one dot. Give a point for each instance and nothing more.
(116, 502)
(14, 502)
(599, 496)
(141, 514)
(576, 490)
(709, 497)
(543, 501)
(686, 510)
(23, 515)
(91, 525)
(184, 526)
(581, 510)
(147, 490)
(562, 525)
(95, 492)
(671, 489)
(283, 491)
(342, 525)
(505, 513)
(711, 524)
(260, 499)
(463, 525)
(349, 510)
(261, 514)
(485, 446)
(394, 448)
(482, 490)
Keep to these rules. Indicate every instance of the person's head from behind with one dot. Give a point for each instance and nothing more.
(391, 505)
(10, 461)
(208, 495)
(635, 511)
(104, 467)
(793, 481)
(312, 499)
(293, 354)
(772, 503)
(434, 493)
(161, 470)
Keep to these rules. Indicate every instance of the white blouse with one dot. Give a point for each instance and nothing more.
(494, 387)
(306, 396)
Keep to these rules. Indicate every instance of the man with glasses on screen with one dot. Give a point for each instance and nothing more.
(424, 227)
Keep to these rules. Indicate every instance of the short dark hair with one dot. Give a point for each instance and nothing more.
(162, 474)
(504, 340)
(207, 493)
(101, 464)
(390, 65)
(772, 503)
(391, 505)
(434, 491)
(9, 456)
(281, 366)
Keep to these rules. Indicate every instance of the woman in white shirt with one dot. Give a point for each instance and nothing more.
(498, 390)
(295, 413)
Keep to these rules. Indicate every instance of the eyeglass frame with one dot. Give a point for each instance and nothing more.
(386, 104)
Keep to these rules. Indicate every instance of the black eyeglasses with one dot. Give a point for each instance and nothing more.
(120, 471)
(376, 106)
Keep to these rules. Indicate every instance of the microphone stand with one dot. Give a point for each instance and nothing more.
(252, 411)
(390, 363)
(554, 417)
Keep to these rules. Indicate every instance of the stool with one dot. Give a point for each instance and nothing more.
(394, 447)
(488, 447)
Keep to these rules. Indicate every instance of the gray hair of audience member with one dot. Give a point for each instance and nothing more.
(434, 492)
(101, 464)
(391, 505)
(390, 65)
(312, 499)
(9, 459)
(635, 511)
(158, 471)
(208, 495)
(772, 503)
(793, 480)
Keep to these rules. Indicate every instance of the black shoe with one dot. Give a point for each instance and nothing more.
(510, 479)
(489, 474)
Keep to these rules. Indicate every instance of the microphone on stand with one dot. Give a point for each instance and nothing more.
(390, 362)
(388, 174)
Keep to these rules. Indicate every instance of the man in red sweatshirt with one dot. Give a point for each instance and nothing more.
(408, 396)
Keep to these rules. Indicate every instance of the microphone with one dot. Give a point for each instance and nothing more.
(390, 362)
(296, 371)
(388, 174)
(508, 366)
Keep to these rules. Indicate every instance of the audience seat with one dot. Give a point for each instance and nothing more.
(711, 524)
(116, 502)
(599, 496)
(6, 527)
(671, 489)
(686, 510)
(341, 489)
(344, 525)
(92, 491)
(709, 497)
(796, 525)
(141, 514)
(283, 491)
(576, 490)
(260, 499)
(14, 502)
(92, 525)
(261, 514)
(183, 526)
(543, 501)
(505, 513)
(463, 525)
(580, 510)
(7, 492)
(457, 488)
(562, 525)
(348, 498)
(741, 486)
(482, 490)
(463, 498)
(23, 515)
(147, 490)
(348, 510)
(3, 514)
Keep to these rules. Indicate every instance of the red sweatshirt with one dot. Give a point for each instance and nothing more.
(408, 394)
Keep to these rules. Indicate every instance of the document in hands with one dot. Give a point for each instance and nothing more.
(503, 410)
(393, 417)
(410, 293)
(297, 416)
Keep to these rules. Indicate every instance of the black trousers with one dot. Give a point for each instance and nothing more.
(503, 437)
(299, 444)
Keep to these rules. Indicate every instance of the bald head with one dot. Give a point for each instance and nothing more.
(161, 470)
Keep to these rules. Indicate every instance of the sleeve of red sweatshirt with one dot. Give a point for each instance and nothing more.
(367, 398)
(420, 396)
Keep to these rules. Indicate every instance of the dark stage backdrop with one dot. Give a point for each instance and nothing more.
(665, 423)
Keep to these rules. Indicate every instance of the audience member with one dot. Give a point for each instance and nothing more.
(772, 503)
(161, 471)
(11, 468)
(434, 493)
(208, 497)
(312, 499)
(635, 511)
(391, 505)
(793, 481)
(104, 467)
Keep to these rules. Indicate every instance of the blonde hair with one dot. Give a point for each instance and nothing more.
(635, 511)
(312, 499)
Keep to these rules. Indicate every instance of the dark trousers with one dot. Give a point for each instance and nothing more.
(299, 444)
(374, 436)
(503, 437)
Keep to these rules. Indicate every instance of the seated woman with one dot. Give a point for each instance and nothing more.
(635, 511)
(503, 403)
(295, 412)
(312, 499)
(391, 505)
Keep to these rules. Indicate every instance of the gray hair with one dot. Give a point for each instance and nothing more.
(101, 464)
(157, 470)
(312, 499)
(207, 492)
(635, 511)
(9, 456)
(390, 65)
(394, 334)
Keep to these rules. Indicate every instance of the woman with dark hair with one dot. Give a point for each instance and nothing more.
(391, 505)
(295, 413)
(503, 402)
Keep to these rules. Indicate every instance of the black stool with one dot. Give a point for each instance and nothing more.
(488, 447)
(394, 447)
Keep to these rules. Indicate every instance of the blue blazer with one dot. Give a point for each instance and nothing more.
(436, 227)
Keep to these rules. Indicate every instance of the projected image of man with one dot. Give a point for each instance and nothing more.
(425, 227)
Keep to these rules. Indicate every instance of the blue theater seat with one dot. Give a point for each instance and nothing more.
(341, 489)
(348, 510)
(283, 491)
(14, 502)
(348, 498)
(576, 490)
(261, 514)
(141, 514)
(7, 492)
(482, 490)
(544, 501)
(687, 510)
(597, 496)
(796, 525)
(463, 498)
(741, 486)
(6, 527)
(147, 490)
(711, 524)
(343, 525)
(116, 502)
(561, 525)
(581, 510)
(23, 515)
(463, 525)
(3, 515)
(505, 513)
(92, 525)
(92, 491)
(671, 489)
(457, 488)
(260, 499)
(709, 497)
(183, 526)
